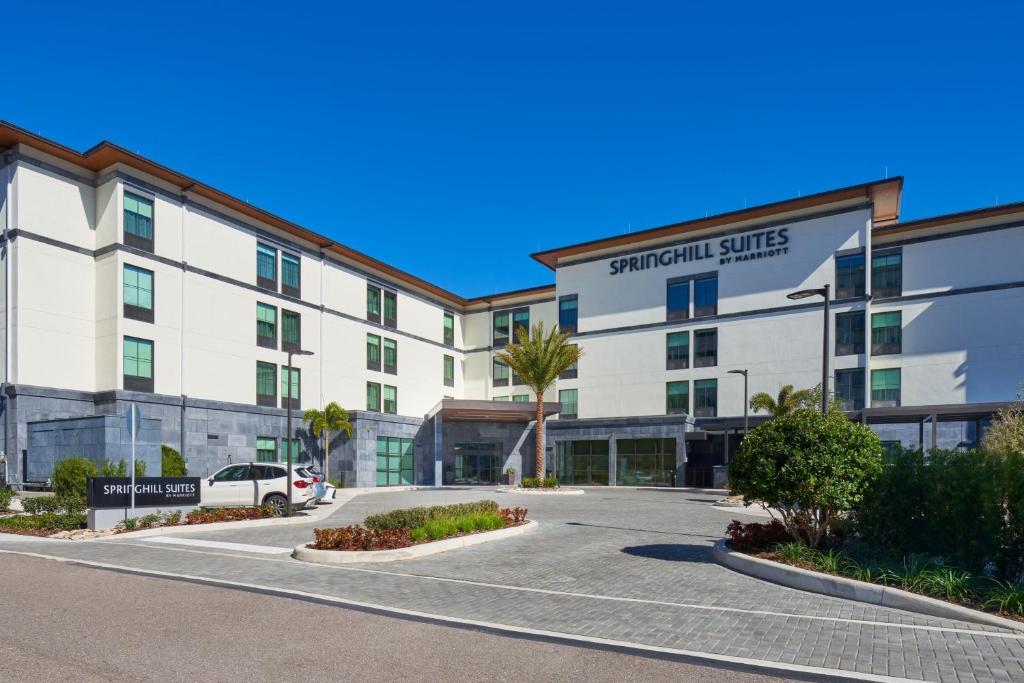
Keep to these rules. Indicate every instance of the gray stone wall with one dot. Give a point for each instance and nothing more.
(96, 438)
(353, 460)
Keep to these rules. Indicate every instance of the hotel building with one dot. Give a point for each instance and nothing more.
(125, 281)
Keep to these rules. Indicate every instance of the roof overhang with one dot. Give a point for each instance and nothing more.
(883, 195)
(456, 410)
(953, 222)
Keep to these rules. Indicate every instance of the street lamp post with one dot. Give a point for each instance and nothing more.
(288, 427)
(746, 399)
(822, 292)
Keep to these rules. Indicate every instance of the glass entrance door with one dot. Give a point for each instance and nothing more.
(477, 464)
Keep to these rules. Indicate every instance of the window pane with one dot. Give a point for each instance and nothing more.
(886, 333)
(677, 397)
(568, 399)
(138, 287)
(887, 275)
(138, 357)
(291, 327)
(520, 321)
(266, 321)
(678, 349)
(849, 276)
(885, 387)
(390, 307)
(138, 216)
(372, 396)
(678, 303)
(390, 353)
(290, 270)
(390, 399)
(705, 351)
(850, 388)
(266, 379)
(266, 262)
(501, 325)
(521, 398)
(705, 296)
(567, 314)
(705, 398)
(449, 368)
(373, 349)
(449, 329)
(295, 384)
(849, 333)
(500, 369)
(373, 301)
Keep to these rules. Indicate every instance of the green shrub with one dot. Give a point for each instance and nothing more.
(447, 527)
(129, 523)
(831, 561)
(538, 483)
(793, 552)
(172, 518)
(550, 483)
(69, 477)
(410, 518)
(46, 521)
(171, 463)
(1006, 597)
(150, 520)
(6, 495)
(140, 468)
(948, 583)
(964, 506)
(109, 469)
(809, 466)
(529, 482)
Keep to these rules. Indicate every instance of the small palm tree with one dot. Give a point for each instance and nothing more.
(539, 359)
(333, 418)
(787, 400)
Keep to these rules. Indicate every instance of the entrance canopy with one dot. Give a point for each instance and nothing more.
(490, 411)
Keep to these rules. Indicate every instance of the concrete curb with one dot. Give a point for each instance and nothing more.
(543, 492)
(305, 554)
(851, 589)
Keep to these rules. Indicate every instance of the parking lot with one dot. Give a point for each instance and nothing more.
(613, 567)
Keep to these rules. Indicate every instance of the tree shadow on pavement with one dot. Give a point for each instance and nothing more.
(673, 552)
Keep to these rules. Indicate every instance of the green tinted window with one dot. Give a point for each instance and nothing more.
(138, 287)
(138, 357)
(138, 216)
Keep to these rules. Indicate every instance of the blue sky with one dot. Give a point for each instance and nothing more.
(453, 139)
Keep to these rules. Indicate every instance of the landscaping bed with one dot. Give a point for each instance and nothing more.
(413, 526)
(925, 575)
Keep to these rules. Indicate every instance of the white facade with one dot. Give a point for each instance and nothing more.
(960, 299)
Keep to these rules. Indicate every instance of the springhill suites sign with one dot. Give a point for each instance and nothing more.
(728, 250)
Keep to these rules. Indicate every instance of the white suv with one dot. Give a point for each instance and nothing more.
(256, 483)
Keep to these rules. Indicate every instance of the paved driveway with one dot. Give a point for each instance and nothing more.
(622, 566)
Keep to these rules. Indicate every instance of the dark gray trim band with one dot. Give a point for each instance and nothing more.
(950, 235)
(749, 228)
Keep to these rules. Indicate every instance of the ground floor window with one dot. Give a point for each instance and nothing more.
(295, 451)
(394, 461)
(266, 449)
(645, 462)
(583, 463)
(477, 463)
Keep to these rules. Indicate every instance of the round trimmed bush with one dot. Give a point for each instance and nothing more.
(171, 463)
(69, 477)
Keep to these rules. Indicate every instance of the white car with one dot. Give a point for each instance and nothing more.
(322, 490)
(256, 483)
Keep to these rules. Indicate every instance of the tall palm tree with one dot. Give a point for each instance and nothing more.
(787, 401)
(539, 359)
(333, 418)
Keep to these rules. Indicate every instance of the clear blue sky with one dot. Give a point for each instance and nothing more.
(452, 140)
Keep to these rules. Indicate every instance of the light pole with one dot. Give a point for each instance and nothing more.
(822, 292)
(288, 427)
(746, 399)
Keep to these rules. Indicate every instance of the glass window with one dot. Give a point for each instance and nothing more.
(373, 396)
(520, 321)
(500, 398)
(582, 462)
(138, 219)
(500, 371)
(705, 398)
(677, 350)
(449, 329)
(138, 287)
(266, 449)
(296, 386)
(850, 388)
(233, 473)
(373, 303)
(449, 371)
(849, 333)
(266, 325)
(705, 296)
(677, 305)
(372, 352)
(138, 358)
(390, 399)
(572, 371)
(677, 397)
(885, 388)
(266, 266)
(295, 451)
(390, 356)
(500, 326)
(886, 333)
(887, 274)
(395, 461)
(266, 384)
(645, 462)
(291, 330)
(390, 309)
(568, 313)
(849, 276)
(569, 399)
(291, 274)
(705, 348)
(521, 398)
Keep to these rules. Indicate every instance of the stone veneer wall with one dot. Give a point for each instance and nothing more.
(104, 437)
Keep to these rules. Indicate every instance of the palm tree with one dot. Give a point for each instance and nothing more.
(787, 401)
(322, 423)
(539, 359)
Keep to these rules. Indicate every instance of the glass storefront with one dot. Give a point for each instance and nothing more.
(645, 462)
(584, 463)
(394, 461)
(477, 463)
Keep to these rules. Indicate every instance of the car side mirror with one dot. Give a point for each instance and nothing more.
(210, 480)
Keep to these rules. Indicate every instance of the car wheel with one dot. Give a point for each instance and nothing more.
(277, 503)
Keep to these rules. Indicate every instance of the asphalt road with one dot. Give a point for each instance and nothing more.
(72, 623)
